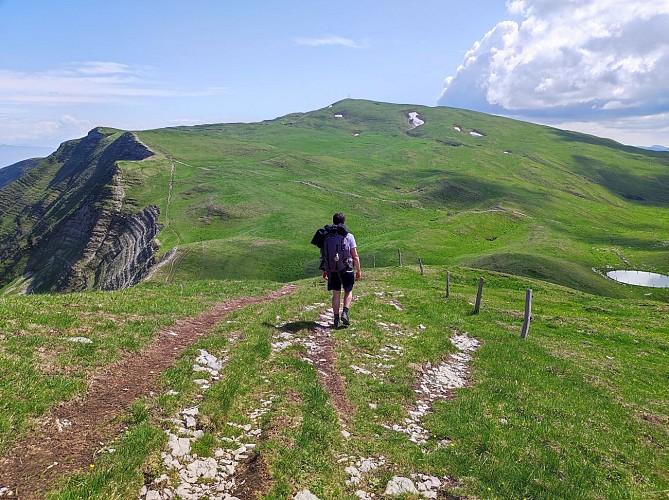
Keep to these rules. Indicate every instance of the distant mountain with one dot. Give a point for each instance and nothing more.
(13, 172)
(9, 155)
(656, 147)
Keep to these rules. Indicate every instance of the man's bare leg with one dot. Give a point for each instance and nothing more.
(348, 298)
(336, 301)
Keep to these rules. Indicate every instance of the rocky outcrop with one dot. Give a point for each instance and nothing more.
(119, 254)
(74, 235)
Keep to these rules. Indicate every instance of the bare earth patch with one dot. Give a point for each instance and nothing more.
(30, 468)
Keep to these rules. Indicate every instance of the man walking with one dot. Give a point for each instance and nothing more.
(339, 258)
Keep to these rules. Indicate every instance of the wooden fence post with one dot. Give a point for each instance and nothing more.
(399, 256)
(477, 306)
(420, 264)
(448, 284)
(528, 314)
(374, 261)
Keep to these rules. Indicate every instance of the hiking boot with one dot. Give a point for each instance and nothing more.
(336, 322)
(344, 318)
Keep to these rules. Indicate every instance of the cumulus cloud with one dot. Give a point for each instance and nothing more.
(329, 40)
(569, 59)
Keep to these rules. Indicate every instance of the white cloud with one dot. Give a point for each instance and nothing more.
(103, 68)
(570, 59)
(86, 83)
(24, 130)
(646, 130)
(329, 40)
(45, 107)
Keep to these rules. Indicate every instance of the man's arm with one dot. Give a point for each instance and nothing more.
(356, 263)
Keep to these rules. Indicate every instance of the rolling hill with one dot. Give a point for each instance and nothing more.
(242, 200)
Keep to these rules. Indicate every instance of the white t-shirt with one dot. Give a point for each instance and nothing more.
(351, 241)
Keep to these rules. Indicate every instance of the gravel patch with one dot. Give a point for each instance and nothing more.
(438, 382)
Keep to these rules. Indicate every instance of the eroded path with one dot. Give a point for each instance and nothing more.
(69, 437)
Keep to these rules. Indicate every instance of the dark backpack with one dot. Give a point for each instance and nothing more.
(335, 253)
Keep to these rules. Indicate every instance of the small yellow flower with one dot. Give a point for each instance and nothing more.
(92, 466)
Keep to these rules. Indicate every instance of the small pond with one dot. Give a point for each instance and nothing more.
(640, 278)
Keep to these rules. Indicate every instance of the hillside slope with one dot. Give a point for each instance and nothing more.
(272, 400)
(463, 188)
(12, 172)
(241, 201)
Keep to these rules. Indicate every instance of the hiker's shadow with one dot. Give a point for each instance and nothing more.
(294, 326)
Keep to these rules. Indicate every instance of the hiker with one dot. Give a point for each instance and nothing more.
(339, 257)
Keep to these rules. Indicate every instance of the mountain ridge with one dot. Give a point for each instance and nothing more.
(68, 208)
(237, 201)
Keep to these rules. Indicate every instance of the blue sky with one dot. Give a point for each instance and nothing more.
(598, 66)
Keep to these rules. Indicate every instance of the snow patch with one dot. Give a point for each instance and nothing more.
(414, 119)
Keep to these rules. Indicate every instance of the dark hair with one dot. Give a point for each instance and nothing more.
(338, 218)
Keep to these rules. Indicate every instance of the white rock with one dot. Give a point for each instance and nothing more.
(191, 411)
(352, 471)
(305, 494)
(184, 492)
(361, 370)
(399, 485)
(162, 479)
(345, 434)
(366, 465)
(179, 446)
(208, 360)
(63, 424)
(153, 495)
(80, 340)
(205, 468)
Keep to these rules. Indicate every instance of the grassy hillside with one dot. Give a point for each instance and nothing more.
(577, 410)
(515, 197)
(12, 172)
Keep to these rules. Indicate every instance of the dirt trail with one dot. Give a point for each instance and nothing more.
(30, 468)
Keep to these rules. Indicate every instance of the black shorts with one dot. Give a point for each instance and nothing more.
(343, 278)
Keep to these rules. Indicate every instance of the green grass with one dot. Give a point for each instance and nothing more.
(577, 410)
(246, 198)
(242, 201)
(42, 368)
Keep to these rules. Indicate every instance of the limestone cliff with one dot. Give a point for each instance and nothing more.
(62, 227)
